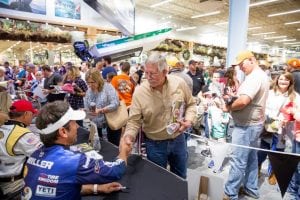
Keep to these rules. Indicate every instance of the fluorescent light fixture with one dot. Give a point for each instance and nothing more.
(160, 3)
(289, 23)
(254, 28)
(284, 13)
(292, 43)
(298, 29)
(275, 37)
(261, 3)
(295, 45)
(266, 33)
(186, 28)
(206, 14)
(285, 40)
(221, 23)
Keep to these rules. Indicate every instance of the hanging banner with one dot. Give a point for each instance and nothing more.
(68, 9)
(283, 167)
(34, 6)
(119, 13)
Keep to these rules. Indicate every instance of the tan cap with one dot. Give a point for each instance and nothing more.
(171, 61)
(243, 55)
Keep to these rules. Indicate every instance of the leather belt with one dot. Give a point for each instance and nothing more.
(11, 179)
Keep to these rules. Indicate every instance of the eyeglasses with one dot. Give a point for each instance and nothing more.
(152, 74)
(91, 82)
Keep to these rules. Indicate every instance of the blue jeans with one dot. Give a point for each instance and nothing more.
(294, 186)
(244, 161)
(262, 155)
(173, 151)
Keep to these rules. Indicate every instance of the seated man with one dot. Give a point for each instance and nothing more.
(54, 172)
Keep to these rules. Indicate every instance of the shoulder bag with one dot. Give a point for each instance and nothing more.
(118, 118)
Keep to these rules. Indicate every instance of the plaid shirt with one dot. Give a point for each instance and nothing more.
(75, 100)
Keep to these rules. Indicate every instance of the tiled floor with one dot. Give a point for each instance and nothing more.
(198, 166)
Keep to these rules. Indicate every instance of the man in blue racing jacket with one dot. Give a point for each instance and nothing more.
(53, 171)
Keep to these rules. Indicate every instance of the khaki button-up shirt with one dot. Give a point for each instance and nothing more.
(154, 110)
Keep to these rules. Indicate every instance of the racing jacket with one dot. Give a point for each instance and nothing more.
(58, 173)
(16, 143)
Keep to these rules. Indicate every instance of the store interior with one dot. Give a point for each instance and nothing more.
(200, 30)
(273, 30)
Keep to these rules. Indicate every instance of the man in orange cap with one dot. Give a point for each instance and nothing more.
(294, 68)
(248, 115)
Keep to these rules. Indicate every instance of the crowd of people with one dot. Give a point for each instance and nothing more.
(165, 101)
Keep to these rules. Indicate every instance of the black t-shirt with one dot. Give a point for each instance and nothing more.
(49, 82)
(198, 82)
(140, 73)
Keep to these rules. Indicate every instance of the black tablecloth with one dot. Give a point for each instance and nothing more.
(145, 180)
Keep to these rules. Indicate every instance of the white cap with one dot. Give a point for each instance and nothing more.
(68, 116)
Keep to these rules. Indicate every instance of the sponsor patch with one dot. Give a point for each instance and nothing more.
(32, 140)
(44, 191)
(40, 163)
(47, 179)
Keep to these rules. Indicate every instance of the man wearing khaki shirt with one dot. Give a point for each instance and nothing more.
(164, 106)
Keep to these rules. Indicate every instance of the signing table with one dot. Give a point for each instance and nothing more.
(144, 180)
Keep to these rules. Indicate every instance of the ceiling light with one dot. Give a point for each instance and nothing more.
(266, 33)
(296, 45)
(275, 37)
(289, 23)
(160, 3)
(205, 14)
(186, 28)
(261, 3)
(253, 28)
(298, 29)
(284, 13)
(285, 40)
(221, 23)
(292, 43)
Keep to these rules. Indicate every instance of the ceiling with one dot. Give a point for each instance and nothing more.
(177, 13)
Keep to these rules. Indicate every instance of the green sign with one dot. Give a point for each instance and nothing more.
(132, 38)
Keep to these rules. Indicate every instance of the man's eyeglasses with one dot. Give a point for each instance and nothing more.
(151, 74)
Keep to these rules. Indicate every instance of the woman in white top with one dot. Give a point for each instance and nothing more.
(280, 98)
